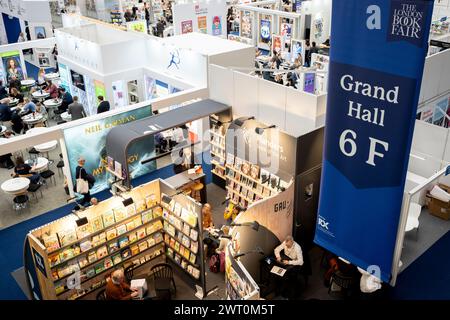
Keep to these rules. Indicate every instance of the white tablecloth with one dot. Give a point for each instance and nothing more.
(44, 147)
(27, 82)
(51, 103)
(39, 95)
(66, 116)
(30, 118)
(40, 164)
(13, 102)
(15, 185)
(52, 76)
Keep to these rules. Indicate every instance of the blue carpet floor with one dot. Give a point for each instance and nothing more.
(428, 277)
(12, 238)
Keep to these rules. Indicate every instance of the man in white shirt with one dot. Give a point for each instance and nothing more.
(292, 252)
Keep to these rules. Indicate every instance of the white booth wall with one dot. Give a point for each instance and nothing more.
(320, 11)
(191, 13)
(291, 110)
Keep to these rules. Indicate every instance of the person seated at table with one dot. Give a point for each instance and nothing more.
(28, 107)
(24, 170)
(292, 252)
(52, 89)
(66, 98)
(5, 110)
(3, 92)
(297, 63)
(276, 58)
(278, 79)
(40, 108)
(41, 79)
(118, 289)
(14, 83)
(17, 123)
(14, 93)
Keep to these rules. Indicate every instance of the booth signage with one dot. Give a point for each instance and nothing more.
(39, 261)
(372, 84)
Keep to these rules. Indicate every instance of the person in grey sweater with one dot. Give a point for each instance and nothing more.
(76, 109)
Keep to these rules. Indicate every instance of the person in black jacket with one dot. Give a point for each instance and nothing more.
(5, 111)
(81, 173)
(103, 106)
(14, 83)
(3, 92)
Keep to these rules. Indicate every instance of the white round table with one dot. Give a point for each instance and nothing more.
(13, 102)
(16, 186)
(66, 116)
(47, 146)
(52, 76)
(37, 130)
(40, 96)
(3, 129)
(33, 118)
(27, 82)
(52, 104)
(40, 164)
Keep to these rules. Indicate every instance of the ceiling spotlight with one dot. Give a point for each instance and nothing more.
(240, 121)
(261, 130)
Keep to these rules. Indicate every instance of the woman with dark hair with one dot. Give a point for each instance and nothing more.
(23, 169)
(14, 93)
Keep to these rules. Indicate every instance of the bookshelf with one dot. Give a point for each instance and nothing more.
(217, 143)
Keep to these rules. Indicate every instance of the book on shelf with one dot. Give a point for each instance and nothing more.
(172, 242)
(134, 250)
(193, 258)
(121, 229)
(194, 234)
(111, 234)
(142, 260)
(184, 264)
(123, 242)
(67, 237)
(130, 225)
(83, 231)
(108, 263)
(195, 272)
(177, 209)
(151, 241)
(177, 258)
(117, 259)
(53, 259)
(102, 252)
(96, 223)
(245, 167)
(113, 246)
(108, 218)
(151, 200)
(119, 214)
(170, 252)
(136, 262)
(100, 267)
(51, 242)
(147, 216)
(189, 216)
(85, 245)
(158, 237)
(140, 205)
(131, 209)
(126, 253)
(186, 228)
(194, 246)
(90, 273)
(92, 257)
(132, 237)
(254, 171)
(137, 221)
(143, 246)
(179, 236)
(98, 239)
(83, 261)
(68, 253)
(141, 233)
(186, 253)
(177, 246)
(186, 242)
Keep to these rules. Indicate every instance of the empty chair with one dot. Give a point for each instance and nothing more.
(162, 275)
(20, 202)
(413, 217)
(344, 283)
(33, 188)
(33, 153)
(48, 174)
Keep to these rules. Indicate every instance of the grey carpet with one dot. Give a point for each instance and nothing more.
(19, 276)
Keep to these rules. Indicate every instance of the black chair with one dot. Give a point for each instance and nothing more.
(33, 188)
(48, 174)
(33, 153)
(344, 282)
(128, 272)
(20, 202)
(101, 295)
(162, 275)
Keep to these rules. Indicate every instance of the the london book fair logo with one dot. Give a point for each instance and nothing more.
(407, 21)
(174, 59)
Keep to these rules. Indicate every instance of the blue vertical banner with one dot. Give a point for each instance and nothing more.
(377, 55)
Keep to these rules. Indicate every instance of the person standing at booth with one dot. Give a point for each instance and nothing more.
(76, 109)
(81, 173)
(103, 106)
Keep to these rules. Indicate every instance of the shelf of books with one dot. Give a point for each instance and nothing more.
(217, 143)
(182, 227)
(74, 256)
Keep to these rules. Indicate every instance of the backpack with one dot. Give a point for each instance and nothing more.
(214, 263)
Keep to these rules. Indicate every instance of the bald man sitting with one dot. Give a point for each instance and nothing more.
(118, 289)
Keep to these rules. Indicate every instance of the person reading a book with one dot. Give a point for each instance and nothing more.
(118, 289)
(292, 252)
